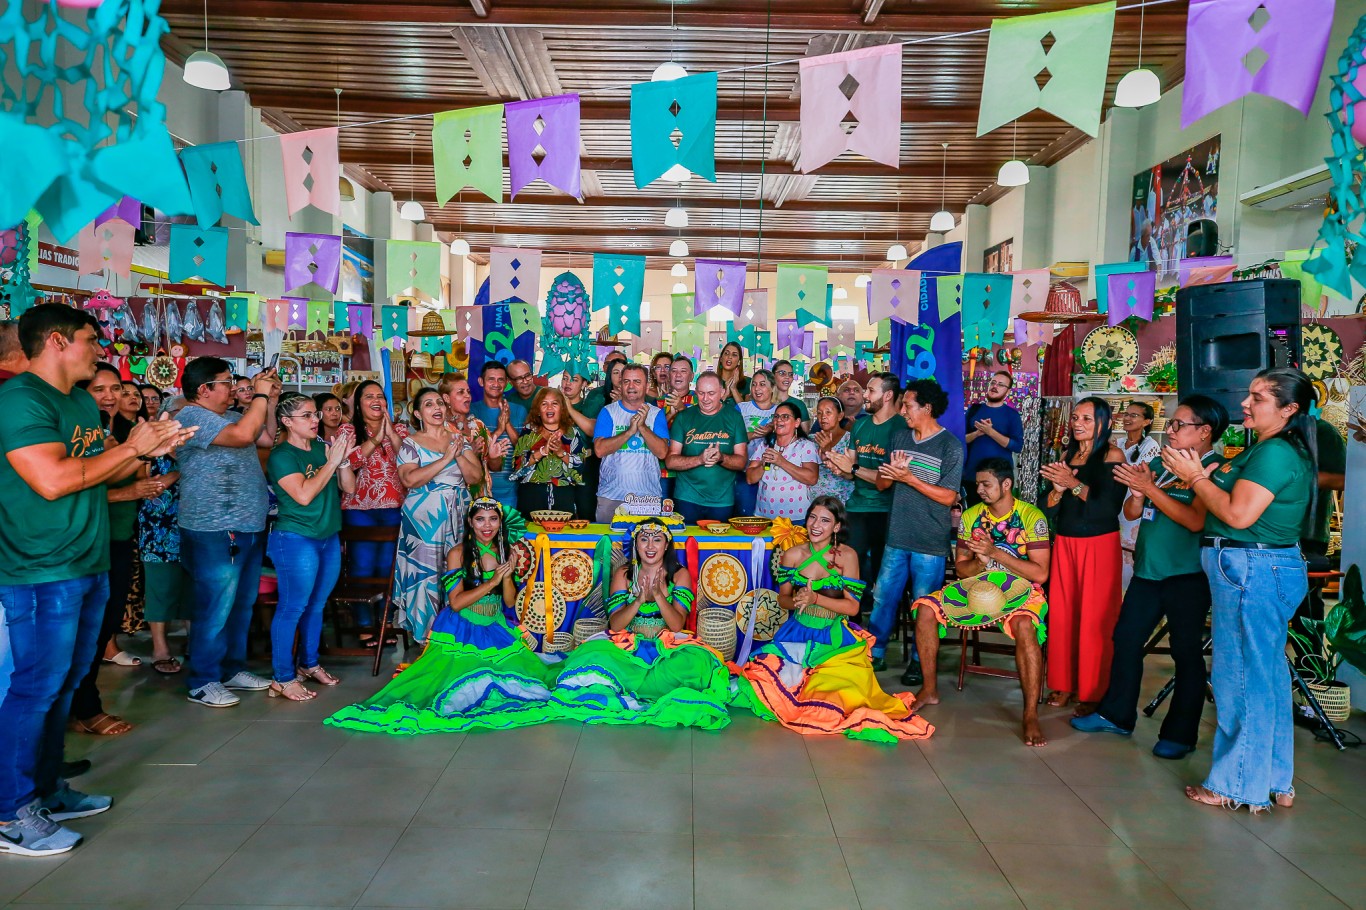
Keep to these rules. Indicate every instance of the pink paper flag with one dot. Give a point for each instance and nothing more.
(852, 102)
(106, 246)
(361, 317)
(720, 282)
(1131, 294)
(753, 310)
(894, 294)
(1028, 292)
(1270, 47)
(1205, 270)
(514, 273)
(311, 153)
(841, 335)
(275, 315)
(469, 322)
(1028, 333)
(650, 339)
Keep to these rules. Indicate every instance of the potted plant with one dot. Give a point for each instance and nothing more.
(1326, 643)
(1099, 372)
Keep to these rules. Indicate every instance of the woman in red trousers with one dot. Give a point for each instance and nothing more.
(1084, 583)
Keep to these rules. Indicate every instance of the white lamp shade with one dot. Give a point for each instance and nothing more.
(679, 270)
(1138, 88)
(680, 288)
(460, 246)
(897, 252)
(204, 69)
(412, 211)
(678, 249)
(941, 222)
(1013, 173)
(862, 281)
(677, 174)
(676, 218)
(667, 72)
(841, 294)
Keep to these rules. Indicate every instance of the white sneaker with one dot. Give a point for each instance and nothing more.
(247, 682)
(213, 695)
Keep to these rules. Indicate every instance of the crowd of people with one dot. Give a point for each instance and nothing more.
(106, 480)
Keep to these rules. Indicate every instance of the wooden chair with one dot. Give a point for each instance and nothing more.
(354, 589)
(972, 638)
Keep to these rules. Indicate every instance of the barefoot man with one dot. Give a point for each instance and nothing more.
(1002, 559)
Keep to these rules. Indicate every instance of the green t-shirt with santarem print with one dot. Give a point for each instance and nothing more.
(695, 431)
(871, 443)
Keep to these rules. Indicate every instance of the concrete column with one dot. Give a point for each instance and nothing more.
(382, 218)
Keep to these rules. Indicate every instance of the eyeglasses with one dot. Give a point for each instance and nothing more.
(783, 373)
(520, 378)
(305, 415)
(218, 382)
(1176, 426)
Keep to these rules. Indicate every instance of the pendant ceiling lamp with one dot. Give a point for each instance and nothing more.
(345, 189)
(205, 69)
(1139, 87)
(1014, 172)
(412, 209)
(679, 270)
(942, 221)
(676, 217)
(862, 281)
(681, 288)
(460, 246)
(841, 293)
(678, 249)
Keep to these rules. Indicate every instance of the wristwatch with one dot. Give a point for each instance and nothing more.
(1076, 491)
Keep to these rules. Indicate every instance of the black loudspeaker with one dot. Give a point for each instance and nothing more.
(1227, 333)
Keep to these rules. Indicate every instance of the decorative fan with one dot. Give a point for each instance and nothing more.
(1111, 345)
(1321, 351)
(571, 573)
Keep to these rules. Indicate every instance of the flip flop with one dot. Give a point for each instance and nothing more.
(123, 659)
(167, 667)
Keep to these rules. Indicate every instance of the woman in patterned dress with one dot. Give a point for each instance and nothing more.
(548, 459)
(832, 435)
(438, 467)
(784, 465)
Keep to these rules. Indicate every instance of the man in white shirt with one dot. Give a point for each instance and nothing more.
(630, 437)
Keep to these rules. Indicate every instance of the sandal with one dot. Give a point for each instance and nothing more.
(1208, 797)
(101, 725)
(123, 659)
(292, 690)
(167, 666)
(373, 642)
(318, 675)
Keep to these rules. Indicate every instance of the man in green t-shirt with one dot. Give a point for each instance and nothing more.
(870, 446)
(707, 449)
(54, 563)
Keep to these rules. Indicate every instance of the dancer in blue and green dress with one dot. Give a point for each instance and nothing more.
(477, 671)
(645, 668)
(816, 675)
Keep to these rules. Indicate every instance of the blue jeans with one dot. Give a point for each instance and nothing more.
(1254, 595)
(369, 559)
(51, 630)
(503, 490)
(308, 570)
(925, 574)
(226, 586)
(693, 513)
(746, 497)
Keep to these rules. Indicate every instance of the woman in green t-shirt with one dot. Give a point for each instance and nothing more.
(305, 544)
(1250, 550)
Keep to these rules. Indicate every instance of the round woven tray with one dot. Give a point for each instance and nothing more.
(531, 607)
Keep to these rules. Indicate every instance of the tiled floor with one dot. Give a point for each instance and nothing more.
(261, 805)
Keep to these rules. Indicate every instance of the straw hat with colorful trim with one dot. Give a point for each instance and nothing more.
(432, 326)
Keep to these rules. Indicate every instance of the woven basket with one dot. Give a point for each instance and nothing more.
(558, 642)
(1335, 699)
(587, 627)
(716, 628)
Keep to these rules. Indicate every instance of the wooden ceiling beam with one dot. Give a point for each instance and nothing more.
(480, 8)
(664, 236)
(697, 206)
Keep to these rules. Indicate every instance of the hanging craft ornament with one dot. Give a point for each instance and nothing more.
(797, 342)
(566, 306)
(1053, 61)
(851, 102)
(413, 265)
(360, 319)
(1113, 345)
(514, 274)
(1102, 283)
(128, 210)
(393, 323)
(618, 285)
(312, 170)
(719, 283)
(1131, 294)
(649, 338)
(841, 336)
(894, 294)
(199, 253)
(543, 142)
(312, 259)
(217, 183)
(467, 150)
(673, 123)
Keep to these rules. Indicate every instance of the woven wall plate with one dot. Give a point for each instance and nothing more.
(531, 607)
(769, 618)
(571, 573)
(1321, 352)
(1112, 342)
(723, 579)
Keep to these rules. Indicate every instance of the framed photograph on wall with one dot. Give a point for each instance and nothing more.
(1174, 210)
(999, 258)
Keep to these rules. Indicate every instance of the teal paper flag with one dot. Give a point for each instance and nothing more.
(341, 316)
(817, 311)
(473, 135)
(414, 264)
(801, 287)
(199, 254)
(394, 323)
(986, 309)
(618, 286)
(673, 122)
(1103, 273)
(1053, 61)
(217, 183)
(240, 311)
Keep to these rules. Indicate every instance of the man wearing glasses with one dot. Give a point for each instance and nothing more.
(994, 429)
(523, 384)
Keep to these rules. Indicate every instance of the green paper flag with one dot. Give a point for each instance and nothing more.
(884, 333)
(683, 314)
(1068, 52)
(341, 317)
(525, 318)
(800, 287)
(1103, 273)
(1311, 289)
(318, 311)
(689, 335)
(33, 219)
(950, 293)
(414, 264)
(473, 135)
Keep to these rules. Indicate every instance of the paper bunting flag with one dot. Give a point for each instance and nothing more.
(128, 210)
(884, 333)
(360, 319)
(312, 170)
(618, 283)
(684, 311)
(754, 310)
(217, 183)
(1028, 291)
(894, 294)
(318, 313)
(242, 310)
(543, 141)
(719, 282)
(394, 323)
(298, 311)
(1131, 294)
(648, 340)
(312, 259)
(199, 254)
(689, 335)
(949, 290)
(275, 315)
(1311, 290)
(851, 102)
(515, 274)
(801, 287)
(673, 122)
(525, 318)
(469, 322)
(1032, 333)
(106, 246)
(467, 150)
(841, 336)
(1102, 283)
(794, 339)
(1237, 47)
(341, 316)
(715, 342)
(762, 345)
(1053, 61)
(413, 265)
(986, 309)
(1205, 270)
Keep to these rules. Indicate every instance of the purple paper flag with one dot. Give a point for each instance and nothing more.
(312, 258)
(298, 311)
(1271, 47)
(362, 319)
(1027, 333)
(720, 282)
(1204, 270)
(851, 102)
(543, 141)
(825, 350)
(127, 210)
(753, 310)
(894, 294)
(791, 336)
(1131, 294)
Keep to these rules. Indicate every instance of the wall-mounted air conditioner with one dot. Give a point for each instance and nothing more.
(1305, 190)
